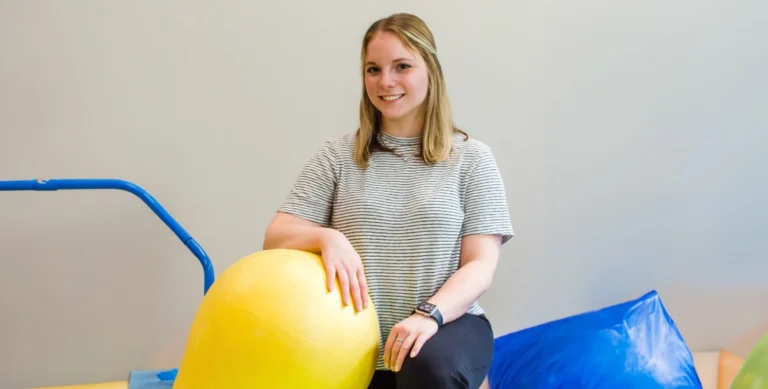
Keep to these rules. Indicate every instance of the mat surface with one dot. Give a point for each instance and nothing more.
(148, 379)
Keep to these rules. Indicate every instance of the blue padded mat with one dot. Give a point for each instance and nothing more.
(630, 345)
(151, 379)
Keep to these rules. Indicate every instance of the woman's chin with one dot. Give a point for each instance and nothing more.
(392, 114)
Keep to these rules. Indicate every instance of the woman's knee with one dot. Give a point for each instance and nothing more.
(432, 369)
(458, 356)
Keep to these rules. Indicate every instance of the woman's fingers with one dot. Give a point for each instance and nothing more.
(330, 273)
(388, 348)
(363, 286)
(351, 277)
(357, 286)
(343, 263)
(344, 285)
(354, 285)
(397, 344)
(417, 344)
(405, 347)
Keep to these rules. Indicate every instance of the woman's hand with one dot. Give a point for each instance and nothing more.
(342, 261)
(408, 336)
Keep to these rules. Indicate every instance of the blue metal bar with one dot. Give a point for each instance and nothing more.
(98, 183)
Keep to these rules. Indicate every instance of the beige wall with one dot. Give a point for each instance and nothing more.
(631, 136)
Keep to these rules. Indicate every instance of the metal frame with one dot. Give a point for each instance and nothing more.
(117, 184)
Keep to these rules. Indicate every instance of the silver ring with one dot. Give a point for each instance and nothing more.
(399, 340)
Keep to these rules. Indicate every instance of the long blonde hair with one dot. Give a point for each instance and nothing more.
(439, 128)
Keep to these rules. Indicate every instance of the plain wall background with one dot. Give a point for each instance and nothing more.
(631, 137)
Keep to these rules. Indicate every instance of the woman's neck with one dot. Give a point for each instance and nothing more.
(407, 127)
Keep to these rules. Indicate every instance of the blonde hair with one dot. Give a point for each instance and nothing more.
(438, 131)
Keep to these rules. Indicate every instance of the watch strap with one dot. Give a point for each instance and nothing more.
(438, 316)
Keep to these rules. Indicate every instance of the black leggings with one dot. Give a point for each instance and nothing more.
(457, 356)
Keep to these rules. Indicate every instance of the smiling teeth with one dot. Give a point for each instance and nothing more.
(390, 98)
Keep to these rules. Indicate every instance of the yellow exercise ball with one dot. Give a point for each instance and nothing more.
(269, 321)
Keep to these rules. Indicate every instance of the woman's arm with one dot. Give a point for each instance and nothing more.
(479, 256)
(486, 227)
(287, 231)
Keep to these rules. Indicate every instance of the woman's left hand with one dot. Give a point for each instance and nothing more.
(407, 336)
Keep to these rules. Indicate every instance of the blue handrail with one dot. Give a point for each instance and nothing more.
(99, 183)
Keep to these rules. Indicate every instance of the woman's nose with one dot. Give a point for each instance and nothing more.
(386, 80)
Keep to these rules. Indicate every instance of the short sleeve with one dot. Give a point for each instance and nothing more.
(311, 196)
(485, 200)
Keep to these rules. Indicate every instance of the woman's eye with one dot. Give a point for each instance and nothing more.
(404, 66)
(372, 70)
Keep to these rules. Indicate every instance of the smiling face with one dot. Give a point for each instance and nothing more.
(396, 79)
(404, 91)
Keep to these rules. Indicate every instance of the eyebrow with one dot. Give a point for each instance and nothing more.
(396, 60)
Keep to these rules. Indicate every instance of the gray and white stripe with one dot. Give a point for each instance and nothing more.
(405, 218)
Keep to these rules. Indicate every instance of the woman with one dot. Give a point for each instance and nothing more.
(409, 211)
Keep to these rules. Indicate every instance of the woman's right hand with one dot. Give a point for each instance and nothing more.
(339, 257)
(341, 260)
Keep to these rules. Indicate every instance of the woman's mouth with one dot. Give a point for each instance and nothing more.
(392, 98)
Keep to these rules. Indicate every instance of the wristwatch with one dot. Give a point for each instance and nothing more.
(430, 310)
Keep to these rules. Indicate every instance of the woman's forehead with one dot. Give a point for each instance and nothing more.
(387, 48)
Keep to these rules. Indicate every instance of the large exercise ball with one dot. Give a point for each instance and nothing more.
(269, 321)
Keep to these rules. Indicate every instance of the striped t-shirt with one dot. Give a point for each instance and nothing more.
(404, 218)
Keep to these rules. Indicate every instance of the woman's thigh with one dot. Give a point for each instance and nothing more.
(459, 355)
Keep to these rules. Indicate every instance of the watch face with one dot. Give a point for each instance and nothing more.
(427, 307)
